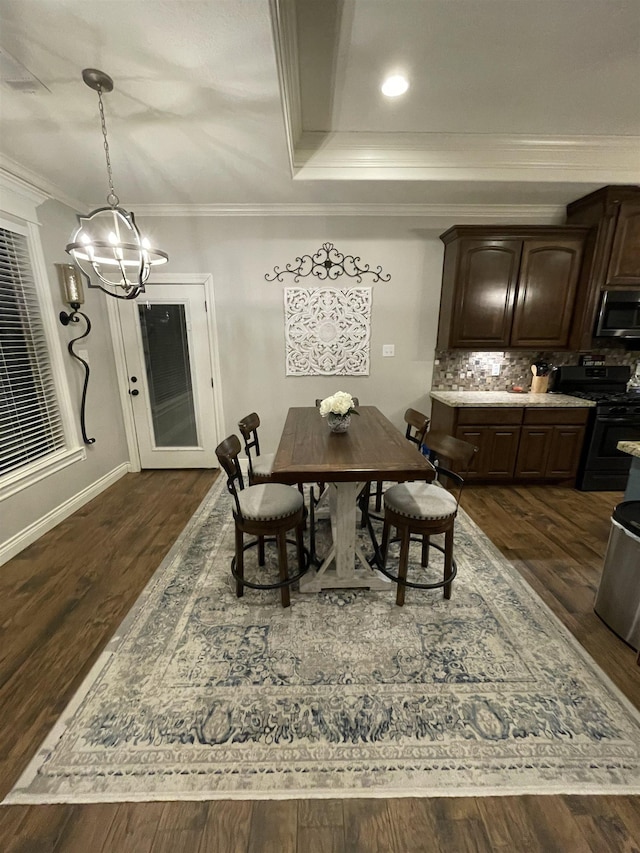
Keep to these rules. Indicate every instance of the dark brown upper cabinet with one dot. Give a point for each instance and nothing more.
(507, 287)
(624, 264)
(612, 252)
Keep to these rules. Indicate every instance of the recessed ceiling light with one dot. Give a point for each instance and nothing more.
(394, 86)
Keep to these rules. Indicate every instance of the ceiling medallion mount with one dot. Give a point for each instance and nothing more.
(107, 245)
(328, 263)
(97, 80)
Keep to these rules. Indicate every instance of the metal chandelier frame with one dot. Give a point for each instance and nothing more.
(107, 246)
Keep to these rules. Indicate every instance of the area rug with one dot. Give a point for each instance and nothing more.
(202, 695)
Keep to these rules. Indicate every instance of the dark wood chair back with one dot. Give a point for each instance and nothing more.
(458, 455)
(227, 452)
(458, 452)
(417, 426)
(249, 428)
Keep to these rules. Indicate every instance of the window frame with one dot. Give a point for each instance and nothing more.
(73, 451)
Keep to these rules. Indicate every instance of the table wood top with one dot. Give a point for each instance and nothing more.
(371, 449)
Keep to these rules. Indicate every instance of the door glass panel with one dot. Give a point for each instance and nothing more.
(166, 356)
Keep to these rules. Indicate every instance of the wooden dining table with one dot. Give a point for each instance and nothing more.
(371, 449)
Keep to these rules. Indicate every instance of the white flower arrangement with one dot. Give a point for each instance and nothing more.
(339, 403)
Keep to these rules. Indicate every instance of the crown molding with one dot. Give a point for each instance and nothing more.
(483, 142)
(11, 183)
(438, 156)
(283, 26)
(467, 156)
(432, 213)
(32, 182)
(20, 199)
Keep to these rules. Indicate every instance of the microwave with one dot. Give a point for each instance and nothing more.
(619, 315)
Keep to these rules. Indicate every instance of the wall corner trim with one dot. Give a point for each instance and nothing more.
(38, 528)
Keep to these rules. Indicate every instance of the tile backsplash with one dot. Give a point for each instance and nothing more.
(463, 370)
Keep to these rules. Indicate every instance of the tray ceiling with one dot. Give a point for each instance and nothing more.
(235, 104)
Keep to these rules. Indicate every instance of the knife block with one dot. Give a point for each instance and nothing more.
(540, 384)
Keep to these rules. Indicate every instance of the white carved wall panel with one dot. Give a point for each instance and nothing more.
(327, 331)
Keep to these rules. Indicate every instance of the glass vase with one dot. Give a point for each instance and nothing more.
(338, 423)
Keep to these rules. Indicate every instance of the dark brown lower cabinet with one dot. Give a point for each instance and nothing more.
(550, 443)
(535, 444)
(498, 448)
(517, 443)
(565, 451)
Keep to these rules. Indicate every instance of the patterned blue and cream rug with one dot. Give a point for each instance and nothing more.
(202, 695)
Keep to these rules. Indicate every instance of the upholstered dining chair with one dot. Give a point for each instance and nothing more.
(260, 464)
(267, 511)
(417, 426)
(419, 510)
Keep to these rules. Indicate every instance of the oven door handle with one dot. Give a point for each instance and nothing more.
(634, 422)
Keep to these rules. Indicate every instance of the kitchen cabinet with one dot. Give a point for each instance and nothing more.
(516, 443)
(612, 251)
(623, 269)
(509, 286)
(550, 443)
(496, 434)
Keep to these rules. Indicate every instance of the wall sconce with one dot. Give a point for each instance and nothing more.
(73, 295)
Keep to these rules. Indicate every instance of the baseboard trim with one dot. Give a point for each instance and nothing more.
(38, 528)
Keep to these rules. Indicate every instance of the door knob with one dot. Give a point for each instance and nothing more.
(134, 393)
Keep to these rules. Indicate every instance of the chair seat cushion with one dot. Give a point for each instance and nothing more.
(420, 500)
(268, 501)
(263, 464)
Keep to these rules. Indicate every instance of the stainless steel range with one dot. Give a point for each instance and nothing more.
(616, 417)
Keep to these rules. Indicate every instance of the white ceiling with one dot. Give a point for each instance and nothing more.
(276, 102)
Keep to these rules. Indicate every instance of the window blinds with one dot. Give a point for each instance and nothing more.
(30, 423)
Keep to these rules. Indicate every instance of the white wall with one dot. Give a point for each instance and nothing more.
(30, 512)
(239, 251)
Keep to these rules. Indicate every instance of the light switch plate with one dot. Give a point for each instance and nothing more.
(388, 350)
(495, 370)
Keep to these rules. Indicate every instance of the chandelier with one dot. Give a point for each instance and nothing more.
(107, 245)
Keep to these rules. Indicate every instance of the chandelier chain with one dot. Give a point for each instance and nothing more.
(112, 198)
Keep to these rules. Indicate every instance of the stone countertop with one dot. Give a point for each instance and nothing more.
(487, 399)
(630, 447)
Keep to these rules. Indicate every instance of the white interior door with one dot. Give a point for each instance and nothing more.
(168, 354)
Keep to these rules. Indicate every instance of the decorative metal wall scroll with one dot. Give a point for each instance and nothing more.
(327, 331)
(328, 263)
(73, 295)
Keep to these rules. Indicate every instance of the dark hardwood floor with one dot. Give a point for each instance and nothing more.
(63, 597)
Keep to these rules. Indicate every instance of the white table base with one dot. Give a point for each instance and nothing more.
(345, 566)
